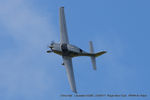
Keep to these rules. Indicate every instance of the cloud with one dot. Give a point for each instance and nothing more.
(25, 24)
(23, 71)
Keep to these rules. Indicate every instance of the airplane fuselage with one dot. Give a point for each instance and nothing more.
(68, 50)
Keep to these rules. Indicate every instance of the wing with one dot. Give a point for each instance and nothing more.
(63, 28)
(70, 74)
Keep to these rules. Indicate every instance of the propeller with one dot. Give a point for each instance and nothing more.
(50, 46)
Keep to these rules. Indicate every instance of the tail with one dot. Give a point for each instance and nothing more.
(94, 55)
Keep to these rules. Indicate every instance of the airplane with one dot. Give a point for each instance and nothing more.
(68, 51)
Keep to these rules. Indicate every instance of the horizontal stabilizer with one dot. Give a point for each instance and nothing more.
(93, 62)
(94, 55)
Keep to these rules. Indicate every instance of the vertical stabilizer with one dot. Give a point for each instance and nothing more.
(92, 57)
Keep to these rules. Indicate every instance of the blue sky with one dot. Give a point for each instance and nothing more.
(120, 27)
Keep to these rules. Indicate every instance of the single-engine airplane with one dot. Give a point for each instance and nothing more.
(68, 51)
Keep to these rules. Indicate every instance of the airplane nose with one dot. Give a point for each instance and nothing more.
(48, 51)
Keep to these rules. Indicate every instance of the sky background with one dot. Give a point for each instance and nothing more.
(121, 27)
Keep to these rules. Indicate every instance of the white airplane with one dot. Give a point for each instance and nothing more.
(68, 51)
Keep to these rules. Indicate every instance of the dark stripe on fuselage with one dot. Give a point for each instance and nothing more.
(64, 49)
(66, 52)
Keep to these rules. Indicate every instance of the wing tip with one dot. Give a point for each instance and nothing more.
(62, 7)
(75, 91)
(95, 69)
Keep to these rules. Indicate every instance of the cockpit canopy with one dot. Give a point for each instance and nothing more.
(74, 48)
